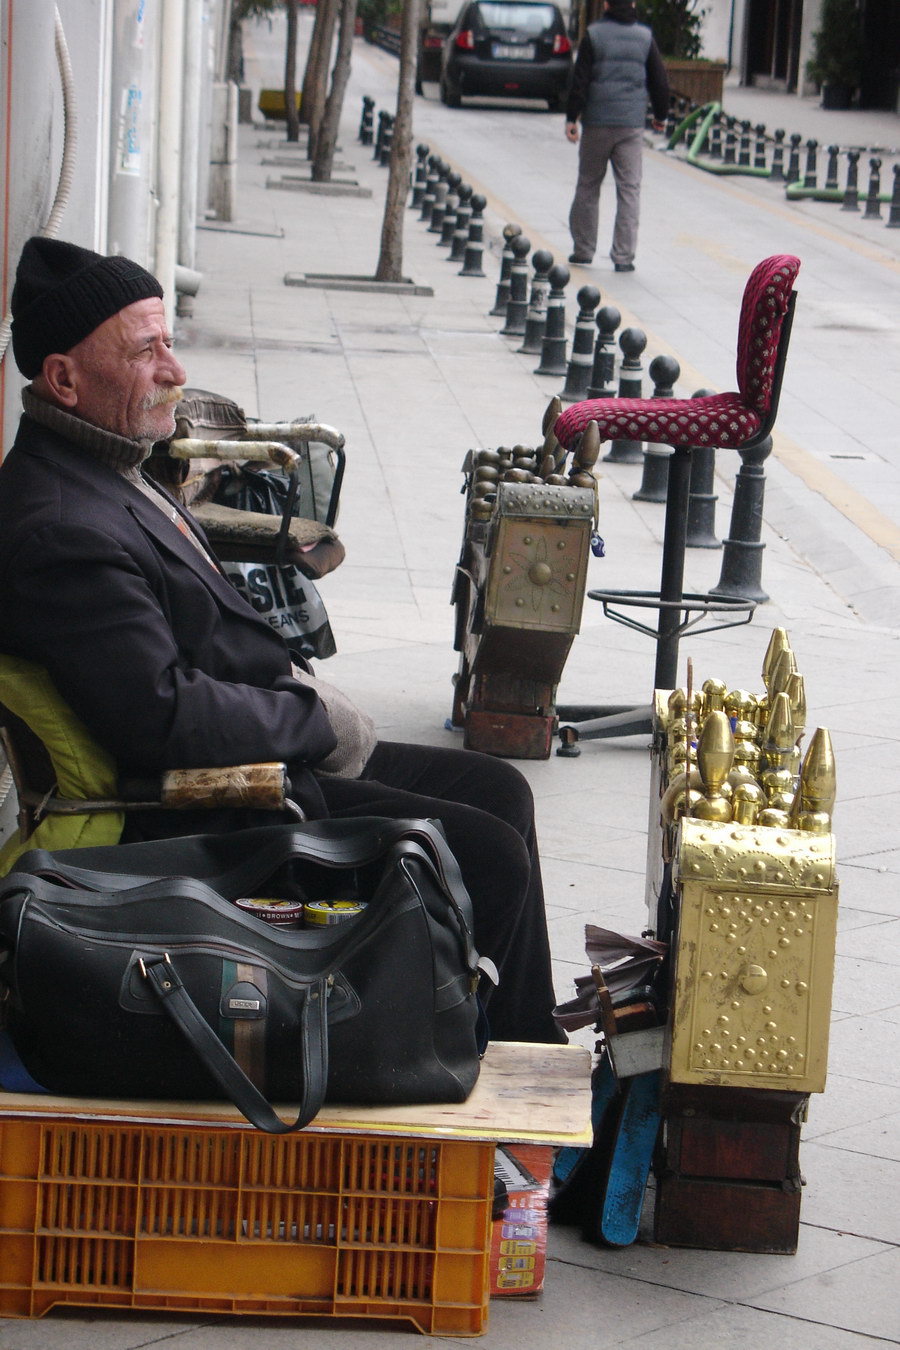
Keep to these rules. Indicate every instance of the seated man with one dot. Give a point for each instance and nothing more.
(108, 583)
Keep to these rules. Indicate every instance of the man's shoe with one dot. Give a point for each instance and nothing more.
(624, 267)
(577, 258)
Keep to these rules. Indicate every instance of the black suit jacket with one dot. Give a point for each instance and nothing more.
(158, 654)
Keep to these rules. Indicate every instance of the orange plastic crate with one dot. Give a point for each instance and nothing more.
(220, 1220)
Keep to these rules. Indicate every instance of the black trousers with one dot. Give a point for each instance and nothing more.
(487, 811)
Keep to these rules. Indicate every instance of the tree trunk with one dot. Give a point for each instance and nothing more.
(390, 259)
(290, 73)
(327, 136)
(236, 51)
(315, 80)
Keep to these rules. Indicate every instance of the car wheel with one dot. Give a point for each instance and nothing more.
(555, 102)
(450, 96)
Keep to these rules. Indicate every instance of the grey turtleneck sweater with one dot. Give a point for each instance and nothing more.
(122, 455)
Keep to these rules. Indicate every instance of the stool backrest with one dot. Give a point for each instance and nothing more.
(762, 329)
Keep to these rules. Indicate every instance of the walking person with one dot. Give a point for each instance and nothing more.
(617, 67)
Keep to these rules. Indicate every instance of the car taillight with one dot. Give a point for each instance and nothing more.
(432, 40)
(466, 40)
(561, 45)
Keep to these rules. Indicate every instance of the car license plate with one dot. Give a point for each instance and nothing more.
(504, 53)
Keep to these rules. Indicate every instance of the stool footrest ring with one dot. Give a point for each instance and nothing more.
(692, 603)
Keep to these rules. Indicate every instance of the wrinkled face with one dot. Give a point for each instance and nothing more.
(125, 376)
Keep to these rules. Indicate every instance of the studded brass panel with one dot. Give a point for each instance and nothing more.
(539, 561)
(754, 960)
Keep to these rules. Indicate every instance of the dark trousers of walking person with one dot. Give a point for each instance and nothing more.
(598, 148)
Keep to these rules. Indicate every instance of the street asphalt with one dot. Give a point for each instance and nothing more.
(414, 382)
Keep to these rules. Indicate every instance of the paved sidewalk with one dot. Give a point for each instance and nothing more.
(414, 382)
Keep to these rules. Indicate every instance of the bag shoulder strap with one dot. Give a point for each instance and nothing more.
(163, 979)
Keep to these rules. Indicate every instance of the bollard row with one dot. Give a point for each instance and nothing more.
(729, 145)
(451, 211)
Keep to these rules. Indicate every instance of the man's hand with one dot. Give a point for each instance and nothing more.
(572, 132)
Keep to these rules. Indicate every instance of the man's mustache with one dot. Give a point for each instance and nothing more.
(161, 396)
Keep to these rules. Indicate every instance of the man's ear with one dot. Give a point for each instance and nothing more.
(59, 377)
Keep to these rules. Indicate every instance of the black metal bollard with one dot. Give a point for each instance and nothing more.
(793, 169)
(873, 204)
(809, 177)
(461, 231)
(744, 146)
(581, 360)
(366, 120)
(728, 154)
(664, 372)
(831, 173)
(553, 348)
(632, 342)
(501, 299)
(536, 318)
(715, 137)
(603, 374)
(420, 175)
(439, 210)
(379, 134)
(431, 180)
(701, 516)
(387, 141)
(777, 174)
(472, 262)
(759, 149)
(517, 305)
(741, 574)
(448, 225)
(894, 214)
(851, 191)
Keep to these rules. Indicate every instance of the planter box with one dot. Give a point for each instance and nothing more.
(699, 81)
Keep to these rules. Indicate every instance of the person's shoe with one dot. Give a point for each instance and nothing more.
(624, 267)
(577, 258)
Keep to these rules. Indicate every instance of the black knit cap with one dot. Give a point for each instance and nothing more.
(63, 292)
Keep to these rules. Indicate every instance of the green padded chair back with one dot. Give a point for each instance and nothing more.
(83, 769)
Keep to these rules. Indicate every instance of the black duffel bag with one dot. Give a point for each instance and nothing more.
(129, 972)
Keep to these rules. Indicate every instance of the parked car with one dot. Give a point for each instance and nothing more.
(435, 23)
(516, 48)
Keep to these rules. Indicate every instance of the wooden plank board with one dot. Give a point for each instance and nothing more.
(525, 1094)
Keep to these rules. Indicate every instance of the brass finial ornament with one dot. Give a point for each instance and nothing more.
(552, 412)
(747, 801)
(779, 743)
(741, 705)
(818, 783)
(586, 454)
(715, 753)
(779, 642)
(714, 692)
(681, 796)
(677, 702)
(796, 692)
(784, 668)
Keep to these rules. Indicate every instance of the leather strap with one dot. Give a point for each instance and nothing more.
(163, 979)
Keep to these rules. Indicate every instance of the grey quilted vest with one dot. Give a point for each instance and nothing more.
(617, 96)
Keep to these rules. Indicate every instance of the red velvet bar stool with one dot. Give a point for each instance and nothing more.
(735, 421)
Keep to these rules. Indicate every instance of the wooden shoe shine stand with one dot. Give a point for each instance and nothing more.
(747, 1038)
